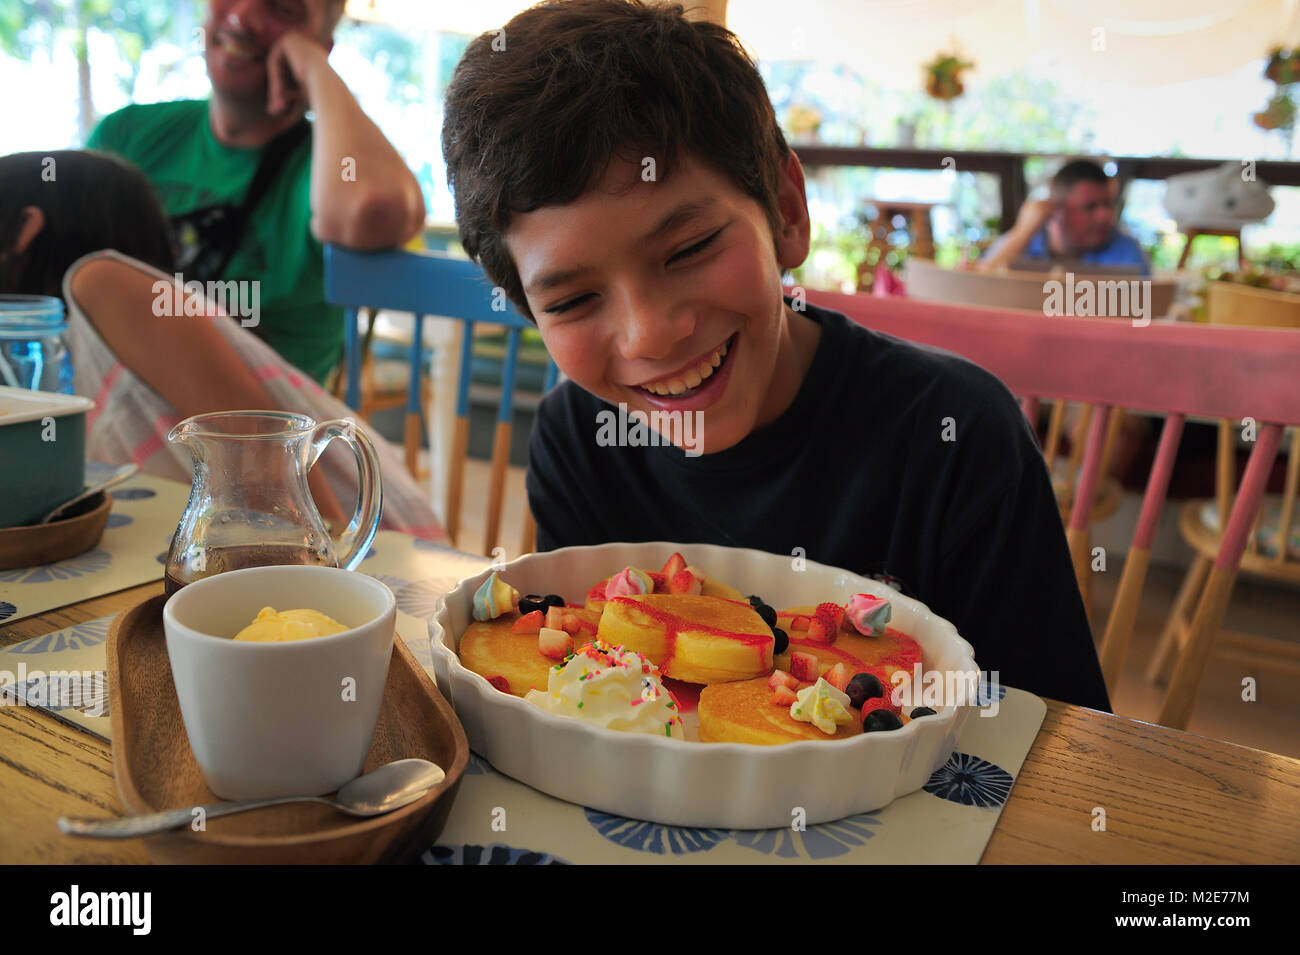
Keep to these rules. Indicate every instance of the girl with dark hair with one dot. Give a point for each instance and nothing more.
(87, 227)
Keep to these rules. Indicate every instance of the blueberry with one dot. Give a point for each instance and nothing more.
(863, 687)
(921, 711)
(878, 720)
(782, 641)
(530, 602)
(754, 600)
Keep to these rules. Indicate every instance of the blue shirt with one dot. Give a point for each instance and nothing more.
(1122, 249)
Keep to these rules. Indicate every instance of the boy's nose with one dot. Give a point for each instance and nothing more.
(245, 15)
(652, 329)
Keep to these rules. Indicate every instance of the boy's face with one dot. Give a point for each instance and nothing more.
(666, 296)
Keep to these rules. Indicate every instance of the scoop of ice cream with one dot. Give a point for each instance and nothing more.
(868, 614)
(821, 705)
(629, 582)
(611, 687)
(270, 626)
(494, 598)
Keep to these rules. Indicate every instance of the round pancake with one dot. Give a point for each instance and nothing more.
(493, 649)
(693, 638)
(743, 712)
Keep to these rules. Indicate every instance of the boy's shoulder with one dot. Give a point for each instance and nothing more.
(123, 128)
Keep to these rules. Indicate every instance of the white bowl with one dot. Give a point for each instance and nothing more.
(679, 783)
(280, 719)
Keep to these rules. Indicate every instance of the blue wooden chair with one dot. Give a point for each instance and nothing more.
(427, 283)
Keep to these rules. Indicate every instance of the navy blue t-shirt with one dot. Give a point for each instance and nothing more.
(896, 461)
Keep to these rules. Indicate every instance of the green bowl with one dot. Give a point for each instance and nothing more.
(42, 452)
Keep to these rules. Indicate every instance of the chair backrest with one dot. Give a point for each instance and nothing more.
(1230, 303)
(1179, 370)
(434, 284)
(930, 282)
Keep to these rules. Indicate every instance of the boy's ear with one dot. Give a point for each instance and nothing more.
(793, 237)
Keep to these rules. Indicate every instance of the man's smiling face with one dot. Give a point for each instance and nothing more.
(666, 296)
(240, 34)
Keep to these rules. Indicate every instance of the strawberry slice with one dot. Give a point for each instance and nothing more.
(555, 618)
(685, 582)
(554, 644)
(825, 624)
(674, 566)
(800, 622)
(781, 678)
(783, 696)
(803, 666)
(571, 624)
(529, 622)
(838, 676)
(500, 682)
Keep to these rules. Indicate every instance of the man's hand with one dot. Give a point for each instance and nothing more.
(293, 66)
(1033, 213)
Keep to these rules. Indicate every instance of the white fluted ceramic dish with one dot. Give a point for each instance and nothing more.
(673, 782)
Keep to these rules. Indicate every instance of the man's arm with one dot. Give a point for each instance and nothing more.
(1013, 244)
(362, 194)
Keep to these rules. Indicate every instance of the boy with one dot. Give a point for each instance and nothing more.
(619, 172)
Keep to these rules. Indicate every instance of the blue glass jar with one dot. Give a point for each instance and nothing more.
(33, 352)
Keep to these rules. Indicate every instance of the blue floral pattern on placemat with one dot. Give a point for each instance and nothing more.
(984, 693)
(88, 563)
(652, 837)
(76, 637)
(970, 781)
(394, 584)
(824, 841)
(495, 854)
(133, 493)
(420, 599)
(7, 610)
(118, 520)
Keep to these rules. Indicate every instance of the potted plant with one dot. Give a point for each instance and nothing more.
(943, 76)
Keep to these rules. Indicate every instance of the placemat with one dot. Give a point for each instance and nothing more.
(63, 672)
(498, 821)
(139, 530)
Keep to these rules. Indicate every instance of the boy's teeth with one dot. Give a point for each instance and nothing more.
(693, 378)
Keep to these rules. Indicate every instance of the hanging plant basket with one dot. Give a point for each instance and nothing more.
(943, 76)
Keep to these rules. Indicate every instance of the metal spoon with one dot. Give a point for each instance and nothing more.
(117, 477)
(381, 790)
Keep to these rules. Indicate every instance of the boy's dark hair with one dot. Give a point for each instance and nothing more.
(536, 113)
(90, 201)
(1075, 171)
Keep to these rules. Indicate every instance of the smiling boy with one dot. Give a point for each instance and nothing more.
(619, 172)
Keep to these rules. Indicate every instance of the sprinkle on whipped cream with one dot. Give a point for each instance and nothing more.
(821, 705)
(613, 687)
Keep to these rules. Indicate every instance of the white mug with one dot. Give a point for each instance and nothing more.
(280, 719)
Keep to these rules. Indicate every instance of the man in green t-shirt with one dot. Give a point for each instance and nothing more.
(341, 183)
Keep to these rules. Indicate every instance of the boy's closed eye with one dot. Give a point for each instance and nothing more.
(684, 254)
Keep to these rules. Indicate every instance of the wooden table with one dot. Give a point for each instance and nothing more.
(1169, 796)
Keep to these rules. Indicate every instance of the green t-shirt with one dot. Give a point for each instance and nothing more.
(173, 145)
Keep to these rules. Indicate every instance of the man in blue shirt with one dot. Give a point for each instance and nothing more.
(1077, 224)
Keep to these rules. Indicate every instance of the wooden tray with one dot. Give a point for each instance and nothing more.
(34, 544)
(155, 769)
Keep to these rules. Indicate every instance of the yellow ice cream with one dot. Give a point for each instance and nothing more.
(280, 627)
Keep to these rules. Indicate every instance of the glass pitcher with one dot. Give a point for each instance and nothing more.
(250, 505)
(33, 353)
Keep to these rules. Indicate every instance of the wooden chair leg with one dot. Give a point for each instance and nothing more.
(528, 540)
(1119, 629)
(456, 476)
(1188, 595)
(1053, 439)
(411, 444)
(1176, 710)
(497, 485)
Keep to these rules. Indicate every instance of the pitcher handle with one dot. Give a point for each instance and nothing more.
(353, 544)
